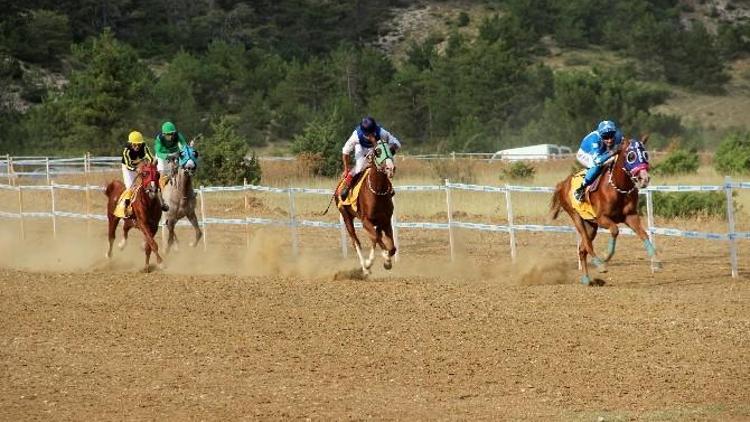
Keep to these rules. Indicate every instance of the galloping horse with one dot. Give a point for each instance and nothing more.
(374, 206)
(614, 202)
(146, 210)
(179, 194)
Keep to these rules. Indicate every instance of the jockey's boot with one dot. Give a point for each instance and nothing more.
(347, 186)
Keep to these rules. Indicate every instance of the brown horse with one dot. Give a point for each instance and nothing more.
(146, 210)
(374, 208)
(615, 202)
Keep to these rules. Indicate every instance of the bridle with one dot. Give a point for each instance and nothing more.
(371, 159)
(633, 178)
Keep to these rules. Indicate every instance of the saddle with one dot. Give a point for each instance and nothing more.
(351, 198)
(122, 211)
(584, 209)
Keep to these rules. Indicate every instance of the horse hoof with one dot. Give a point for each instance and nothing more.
(585, 280)
(146, 269)
(368, 264)
(161, 266)
(600, 265)
(365, 272)
(657, 266)
(122, 244)
(388, 265)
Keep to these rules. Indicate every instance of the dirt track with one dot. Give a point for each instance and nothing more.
(477, 340)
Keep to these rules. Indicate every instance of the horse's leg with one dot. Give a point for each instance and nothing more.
(194, 221)
(147, 250)
(388, 245)
(374, 238)
(150, 242)
(349, 224)
(587, 231)
(610, 225)
(171, 237)
(113, 222)
(126, 226)
(634, 222)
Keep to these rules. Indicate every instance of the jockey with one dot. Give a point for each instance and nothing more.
(168, 142)
(360, 144)
(596, 148)
(135, 152)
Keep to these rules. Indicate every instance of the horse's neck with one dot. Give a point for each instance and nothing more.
(378, 179)
(183, 182)
(619, 174)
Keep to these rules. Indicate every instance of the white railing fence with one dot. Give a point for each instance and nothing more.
(293, 222)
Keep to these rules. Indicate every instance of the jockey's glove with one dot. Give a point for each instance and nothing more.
(602, 158)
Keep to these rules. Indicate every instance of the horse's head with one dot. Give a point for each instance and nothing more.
(189, 160)
(382, 158)
(636, 161)
(149, 178)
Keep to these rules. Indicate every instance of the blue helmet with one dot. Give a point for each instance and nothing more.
(606, 126)
(368, 125)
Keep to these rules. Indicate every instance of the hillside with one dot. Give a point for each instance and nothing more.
(422, 19)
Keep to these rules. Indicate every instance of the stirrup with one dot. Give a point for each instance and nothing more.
(580, 194)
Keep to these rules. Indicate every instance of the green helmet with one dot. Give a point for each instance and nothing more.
(168, 127)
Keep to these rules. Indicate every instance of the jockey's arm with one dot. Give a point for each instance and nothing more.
(349, 146)
(393, 142)
(127, 161)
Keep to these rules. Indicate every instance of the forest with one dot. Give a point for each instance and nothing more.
(297, 75)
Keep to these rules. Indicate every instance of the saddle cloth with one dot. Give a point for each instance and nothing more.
(584, 209)
(351, 199)
(120, 210)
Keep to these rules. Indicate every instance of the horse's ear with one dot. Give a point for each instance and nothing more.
(644, 139)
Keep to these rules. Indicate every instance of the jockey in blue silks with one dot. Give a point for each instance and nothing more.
(596, 148)
(360, 144)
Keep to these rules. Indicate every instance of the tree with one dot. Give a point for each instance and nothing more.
(321, 142)
(224, 157)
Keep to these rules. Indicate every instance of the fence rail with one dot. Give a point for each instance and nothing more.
(731, 236)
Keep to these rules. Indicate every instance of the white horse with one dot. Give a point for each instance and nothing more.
(179, 194)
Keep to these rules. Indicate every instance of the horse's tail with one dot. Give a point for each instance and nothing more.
(557, 199)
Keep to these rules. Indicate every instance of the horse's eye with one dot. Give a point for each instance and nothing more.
(631, 157)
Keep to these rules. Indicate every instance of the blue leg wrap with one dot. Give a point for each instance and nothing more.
(650, 249)
(597, 261)
(585, 280)
(611, 246)
(591, 175)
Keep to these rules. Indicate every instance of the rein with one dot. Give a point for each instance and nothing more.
(612, 182)
(369, 184)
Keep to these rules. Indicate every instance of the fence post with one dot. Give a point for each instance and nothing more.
(293, 222)
(46, 168)
(453, 155)
(20, 213)
(730, 220)
(203, 218)
(54, 209)
(511, 230)
(344, 251)
(88, 193)
(10, 171)
(247, 207)
(450, 216)
(650, 222)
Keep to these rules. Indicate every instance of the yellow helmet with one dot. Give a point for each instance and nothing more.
(135, 137)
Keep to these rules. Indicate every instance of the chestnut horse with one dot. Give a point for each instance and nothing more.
(615, 202)
(374, 208)
(146, 210)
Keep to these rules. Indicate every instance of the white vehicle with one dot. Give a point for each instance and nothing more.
(533, 152)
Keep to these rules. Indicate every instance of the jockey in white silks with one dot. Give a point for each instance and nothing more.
(359, 143)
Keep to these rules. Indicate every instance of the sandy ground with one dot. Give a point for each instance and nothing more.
(248, 332)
